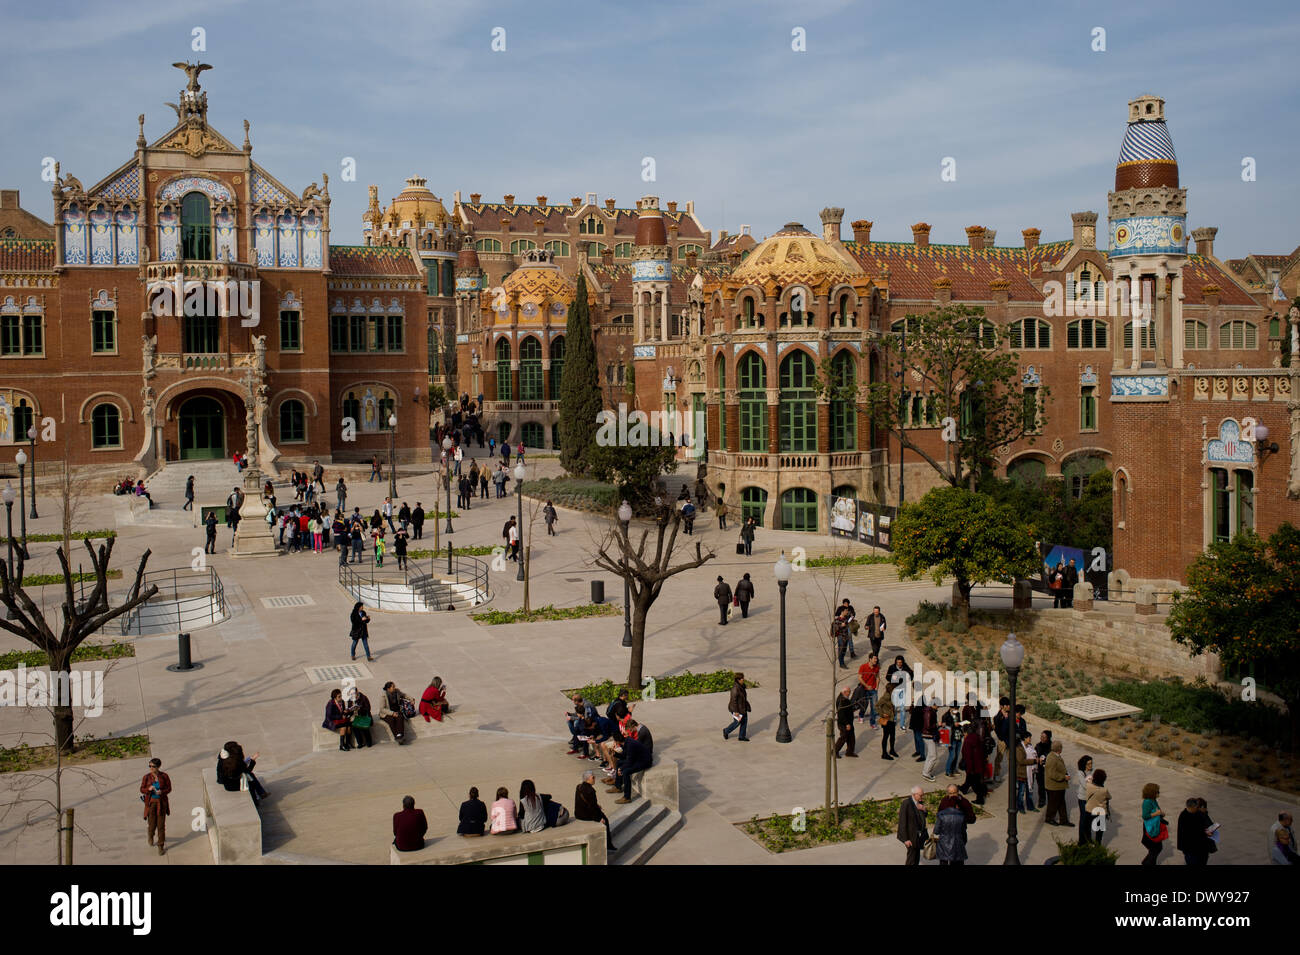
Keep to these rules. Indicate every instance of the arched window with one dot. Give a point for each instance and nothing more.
(685, 250)
(530, 370)
(196, 227)
(592, 225)
(1237, 335)
(1232, 503)
(753, 503)
(720, 376)
(842, 317)
(595, 250)
(623, 250)
(799, 510)
(488, 245)
(293, 422)
(1196, 335)
(557, 367)
(23, 420)
(519, 246)
(532, 434)
(105, 426)
(387, 408)
(753, 403)
(798, 403)
(1030, 333)
(504, 392)
(1086, 333)
(352, 408)
(746, 319)
(843, 409)
(558, 248)
(1027, 471)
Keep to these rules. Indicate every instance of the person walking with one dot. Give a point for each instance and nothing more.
(341, 492)
(550, 516)
(404, 516)
(688, 518)
(954, 814)
(1154, 829)
(1056, 779)
(930, 736)
(417, 521)
(840, 631)
(189, 493)
(844, 720)
(1193, 842)
(399, 548)
(747, 536)
(911, 826)
(483, 479)
(512, 536)
(210, 525)
(744, 594)
(738, 707)
(376, 473)
(360, 629)
(721, 511)
(885, 720)
(154, 788)
(388, 513)
(1079, 782)
(722, 595)
(318, 475)
(864, 694)
(876, 630)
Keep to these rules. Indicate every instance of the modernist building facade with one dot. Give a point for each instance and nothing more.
(189, 304)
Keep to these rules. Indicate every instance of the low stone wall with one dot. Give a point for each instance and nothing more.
(234, 824)
(1118, 640)
(578, 843)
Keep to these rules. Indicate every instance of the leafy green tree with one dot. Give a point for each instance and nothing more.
(635, 469)
(1240, 603)
(1052, 515)
(580, 394)
(953, 532)
(954, 355)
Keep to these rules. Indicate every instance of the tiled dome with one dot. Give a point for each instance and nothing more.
(795, 255)
(1146, 159)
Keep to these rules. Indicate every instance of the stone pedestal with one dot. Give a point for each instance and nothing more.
(253, 537)
(1083, 595)
(1022, 595)
(1146, 599)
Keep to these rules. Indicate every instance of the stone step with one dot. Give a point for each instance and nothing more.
(650, 839)
(624, 819)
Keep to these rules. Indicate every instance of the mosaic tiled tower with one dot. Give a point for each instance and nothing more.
(1148, 240)
(652, 272)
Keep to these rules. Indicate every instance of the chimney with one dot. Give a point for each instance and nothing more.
(541, 201)
(1085, 229)
(989, 236)
(509, 199)
(862, 231)
(1031, 237)
(1001, 289)
(690, 259)
(1210, 295)
(539, 226)
(690, 207)
(576, 201)
(9, 199)
(722, 236)
(591, 199)
(1205, 240)
(831, 220)
(942, 289)
(672, 207)
(474, 197)
(921, 235)
(975, 237)
(609, 205)
(505, 224)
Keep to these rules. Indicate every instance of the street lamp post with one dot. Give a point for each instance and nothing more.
(21, 460)
(31, 436)
(8, 495)
(519, 493)
(392, 457)
(446, 483)
(782, 572)
(625, 516)
(1013, 655)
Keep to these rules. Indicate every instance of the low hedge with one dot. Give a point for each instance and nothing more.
(666, 687)
(22, 757)
(854, 560)
(87, 651)
(76, 536)
(1201, 709)
(495, 617)
(579, 494)
(475, 551)
(45, 580)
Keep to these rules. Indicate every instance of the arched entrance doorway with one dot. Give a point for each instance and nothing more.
(202, 429)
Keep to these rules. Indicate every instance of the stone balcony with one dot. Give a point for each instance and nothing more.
(205, 362)
(191, 270)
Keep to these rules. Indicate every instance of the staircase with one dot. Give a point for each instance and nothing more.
(640, 829)
(213, 482)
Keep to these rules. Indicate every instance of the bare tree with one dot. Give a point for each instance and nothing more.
(646, 572)
(831, 592)
(80, 620)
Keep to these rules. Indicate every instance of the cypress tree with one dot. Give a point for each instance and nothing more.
(580, 395)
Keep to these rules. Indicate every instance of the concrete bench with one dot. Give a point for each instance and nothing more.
(325, 739)
(658, 784)
(577, 843)
(234, 824)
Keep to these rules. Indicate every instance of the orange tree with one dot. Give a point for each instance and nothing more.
(953, 532)
(1241, 604)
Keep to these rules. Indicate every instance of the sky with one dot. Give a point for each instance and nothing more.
(733, 116)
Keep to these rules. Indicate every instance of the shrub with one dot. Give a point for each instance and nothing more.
(1089, 853)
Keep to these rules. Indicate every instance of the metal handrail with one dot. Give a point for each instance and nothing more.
(423, 592)
(210, 603)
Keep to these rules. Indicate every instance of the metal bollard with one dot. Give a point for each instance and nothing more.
(598, 591)
(185, 662)
(449, 570)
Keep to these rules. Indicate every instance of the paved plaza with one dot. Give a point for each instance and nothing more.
(505, 683)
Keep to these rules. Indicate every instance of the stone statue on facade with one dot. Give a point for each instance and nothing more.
(1293, 406)
(149, 346)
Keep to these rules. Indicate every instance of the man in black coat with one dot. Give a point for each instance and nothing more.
(635, 758)
(1071, 578)
(876, 630)
(586, 805)
(417, 520)
(911, 826)
(844, 720)
(722, 594)
(745, 593)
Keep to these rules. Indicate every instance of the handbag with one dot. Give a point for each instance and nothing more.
(740, 547)
(362, 722)
(945, 736)
(931, 848)
(1163, 834)
(1152, 827)
(408, 709)
(735, 600)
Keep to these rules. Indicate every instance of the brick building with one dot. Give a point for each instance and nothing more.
(189, 300)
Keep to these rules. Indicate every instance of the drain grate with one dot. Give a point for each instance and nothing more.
(1093, 708)
(291, 600)
(337, 674)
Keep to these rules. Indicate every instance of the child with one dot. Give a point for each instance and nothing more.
(379, 551)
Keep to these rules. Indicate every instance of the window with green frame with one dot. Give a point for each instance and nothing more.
(530, 370)
(595, 249)
(720, 372)
(448, 277)
(290, 331)
(798, 403)
(685, 250)
(357, 333)
(1245, 481)
(293, 422)
(1220, 506)
(1274, 327)
(24, 418)
(504, 392)
(1196, 335)
(559, 248)
(623, 250)
(196, 227)
(1030, 333)
(386, 408)
(338, 333)
(396, 332)
(201, 335)
(375, 333)
(488, 245)
(11, 335)
(753, 403)
(1148, 339)
(753, 503)
(799, 510)
(106, 426)
(1088, 408)
(352, 408)
(531, 433)
(519, 246)
(557, 367)
(844, 409)
(103, 331)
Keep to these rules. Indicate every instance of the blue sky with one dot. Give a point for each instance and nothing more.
(734, 118)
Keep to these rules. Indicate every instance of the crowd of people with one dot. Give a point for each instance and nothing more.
(348, 712)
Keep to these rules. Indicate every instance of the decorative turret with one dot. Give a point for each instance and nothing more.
(1148, 211)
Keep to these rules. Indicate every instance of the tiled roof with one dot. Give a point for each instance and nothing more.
(1200, 272)
(26, 255)
(371, 260)
(485, 217)
(913, 270)
(618, 280)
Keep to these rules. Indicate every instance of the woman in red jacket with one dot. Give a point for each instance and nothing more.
(154, 788)
(433, 704)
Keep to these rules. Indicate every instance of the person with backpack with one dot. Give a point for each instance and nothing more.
(688, 517)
